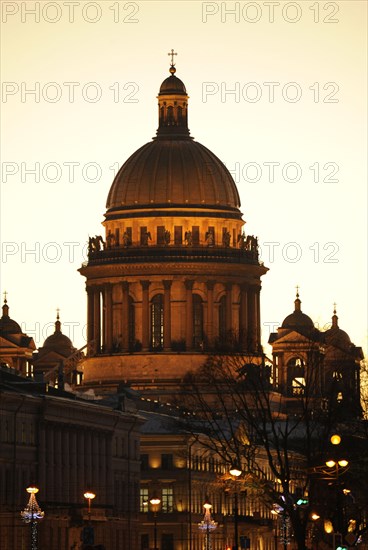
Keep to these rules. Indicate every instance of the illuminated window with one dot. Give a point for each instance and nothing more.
(157, 322)
(167, 499)
(143, 499)
(295, 377)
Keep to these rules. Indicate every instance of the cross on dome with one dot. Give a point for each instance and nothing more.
(172, 53)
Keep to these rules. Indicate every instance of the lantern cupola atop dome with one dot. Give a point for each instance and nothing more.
(172, 107)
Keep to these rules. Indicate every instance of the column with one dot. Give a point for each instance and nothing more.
(81, 468)
(89, 315)
(103, 472)
(42, 455)
(50, 473)
(107, 344)
(97, 320)
(252, 320)
(210, 312)
(243, 317)
(145, 315)
(189, 315)
(74, 497)
(258, 317)
(229, 307)
(125, 316)
(58, 472)
(167, 315)
(66, 461)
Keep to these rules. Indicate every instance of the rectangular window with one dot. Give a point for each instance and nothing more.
(145, 541)
(161, 234)
(167, 541)
(144, 462)
(195, 235)
(117, 237)
(143, 236)
(167, 499)
(143, 498)
(178, 234)
(167, 461)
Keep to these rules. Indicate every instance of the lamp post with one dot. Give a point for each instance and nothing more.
(235, 472)
(155, 502)
(32, 513)
(207, 525)
(89, 495)
(335, 465)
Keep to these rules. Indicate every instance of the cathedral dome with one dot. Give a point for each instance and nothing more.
(7, 325)
(298, 320)
(173, 169)
(58, 341)
(176, 171)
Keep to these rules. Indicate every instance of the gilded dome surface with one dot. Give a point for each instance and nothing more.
(178, 171)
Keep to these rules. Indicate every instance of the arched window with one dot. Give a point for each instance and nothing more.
(180, 116)
(157, 322)
(197, 322)
(295, 377)
(222, 319)
(170, 116)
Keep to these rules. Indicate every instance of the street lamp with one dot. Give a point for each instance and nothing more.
(155, 502)
(32, 513)
(336, 464)
(207, 525)
(89, 496)
(235, 471)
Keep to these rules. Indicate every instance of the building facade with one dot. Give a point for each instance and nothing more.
(66, 446)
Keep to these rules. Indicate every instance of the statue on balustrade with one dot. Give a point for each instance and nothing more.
(210, 239)
(226, 238)
(95, 243)
(188, 238)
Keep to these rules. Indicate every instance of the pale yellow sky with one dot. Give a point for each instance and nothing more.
(113, 57)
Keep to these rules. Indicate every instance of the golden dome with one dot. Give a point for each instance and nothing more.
(176, 171)
(173, 169)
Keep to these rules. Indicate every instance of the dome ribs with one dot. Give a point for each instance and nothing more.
(177, 171)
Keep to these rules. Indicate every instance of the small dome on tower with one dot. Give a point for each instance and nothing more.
(298, 320)
(335, 336)
(172, 85)
(7, 325)
(58, 341)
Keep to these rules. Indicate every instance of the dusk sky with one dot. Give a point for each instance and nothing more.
(277, 91)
